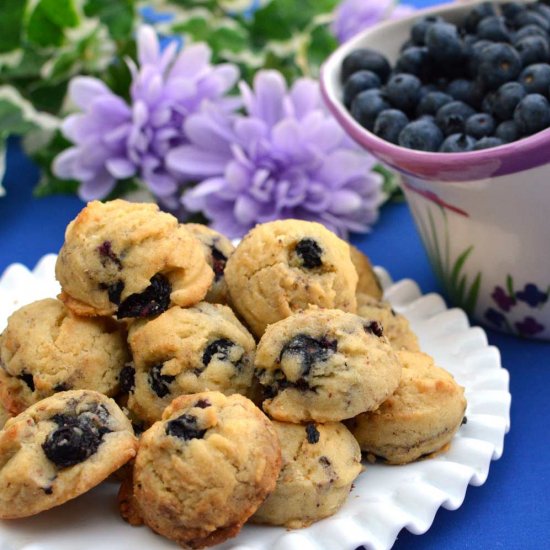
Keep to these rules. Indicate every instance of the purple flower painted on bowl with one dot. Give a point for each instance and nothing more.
(503, 300)
(532, 296)
(495, 317)
(286, 157)
(114, 140)
(353, 16)
(529, 327)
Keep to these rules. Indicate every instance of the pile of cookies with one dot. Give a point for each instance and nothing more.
(220, 384)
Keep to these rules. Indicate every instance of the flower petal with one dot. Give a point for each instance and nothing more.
(63, 164)
(193, 161)
(192, 62)
(304, 96)
(120, 168)
(83, 90)
(96, 188)
(147, 45)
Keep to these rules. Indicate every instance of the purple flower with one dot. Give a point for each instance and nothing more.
(353, 16)
(502, 299)
(529, 327)
(495, 317)
(285, 158)
(115, 141)
(532, 295)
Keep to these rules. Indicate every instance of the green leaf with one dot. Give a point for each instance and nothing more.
(322, 44)
(117, 15)
(3, 153)
(42, 31)
(471, 300)
(510, 286)
(459, 264)
(61, 12)
(390, 187)
(11, 24)
(50, 185)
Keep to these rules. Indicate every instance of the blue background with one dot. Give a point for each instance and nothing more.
(512, 509)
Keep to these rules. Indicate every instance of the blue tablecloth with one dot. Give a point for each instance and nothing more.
(512, 509)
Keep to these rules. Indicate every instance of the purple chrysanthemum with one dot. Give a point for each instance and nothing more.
(114, 140)
(285, 158)
(353, 16)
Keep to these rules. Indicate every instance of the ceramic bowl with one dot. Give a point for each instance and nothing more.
(484, 216)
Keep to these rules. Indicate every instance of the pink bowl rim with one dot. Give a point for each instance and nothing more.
(511, 158)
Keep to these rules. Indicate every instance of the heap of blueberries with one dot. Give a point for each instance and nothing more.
(460, 88)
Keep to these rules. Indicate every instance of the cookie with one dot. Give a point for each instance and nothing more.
(420, 418)
(4, 415)
(320, 462)
(284, 266)
(203, 470)
(325, 365)
(45, 349)
(131, 260)
(187, 351)
(396, 327)
(60, 448)
(217, 249)
(368, 280)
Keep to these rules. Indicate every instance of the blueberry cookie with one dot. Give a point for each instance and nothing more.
(188, 351)
(4, 415)
(320, 462)
(60, 448)
(217, 249)
(203, 470)
(45, 349)
(131, 260)
(396, 327)
(283, 266)
(420, 418)
(325, 365)
(368, 280)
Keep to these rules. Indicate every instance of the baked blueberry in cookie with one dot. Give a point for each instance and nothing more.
(285, 266)
(130, 260)
(59, 448)
(322, 365)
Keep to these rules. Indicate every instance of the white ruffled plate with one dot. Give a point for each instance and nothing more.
(384, 498)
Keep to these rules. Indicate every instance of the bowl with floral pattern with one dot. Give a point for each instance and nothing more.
(483, 216)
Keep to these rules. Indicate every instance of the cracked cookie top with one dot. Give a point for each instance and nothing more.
(284, 266)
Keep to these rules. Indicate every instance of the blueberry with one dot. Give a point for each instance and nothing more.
(202, 404)
(374, 327)
(365, 59)
(480, 125)
(476, 15)
(422, 135)
(493, 28)
(444, 43)
(367, 106)
(488, 143)
(529, 17)
(359, 82)
(533, 49)
(389, 124)
(310, 253)
(498, 63)
(415, 60)
(76, 438)
(403, 91)
(153, 300)
(468, 91)
(114, 290)
(419, 29)
(160, 383)
(127, 379)
(532, 114)
(184, 427)
(507, 131)
(474, 52)
(511, 10)
(431, 103)
(458, 143)
(488, 102)
(542, 9)
(452, 117)
(309, 350)
(107, 254)
(218, 348)
(536, 78)
(219, 259)
(312, 433)
(28, 379)
(529, 30)
(506, 100)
